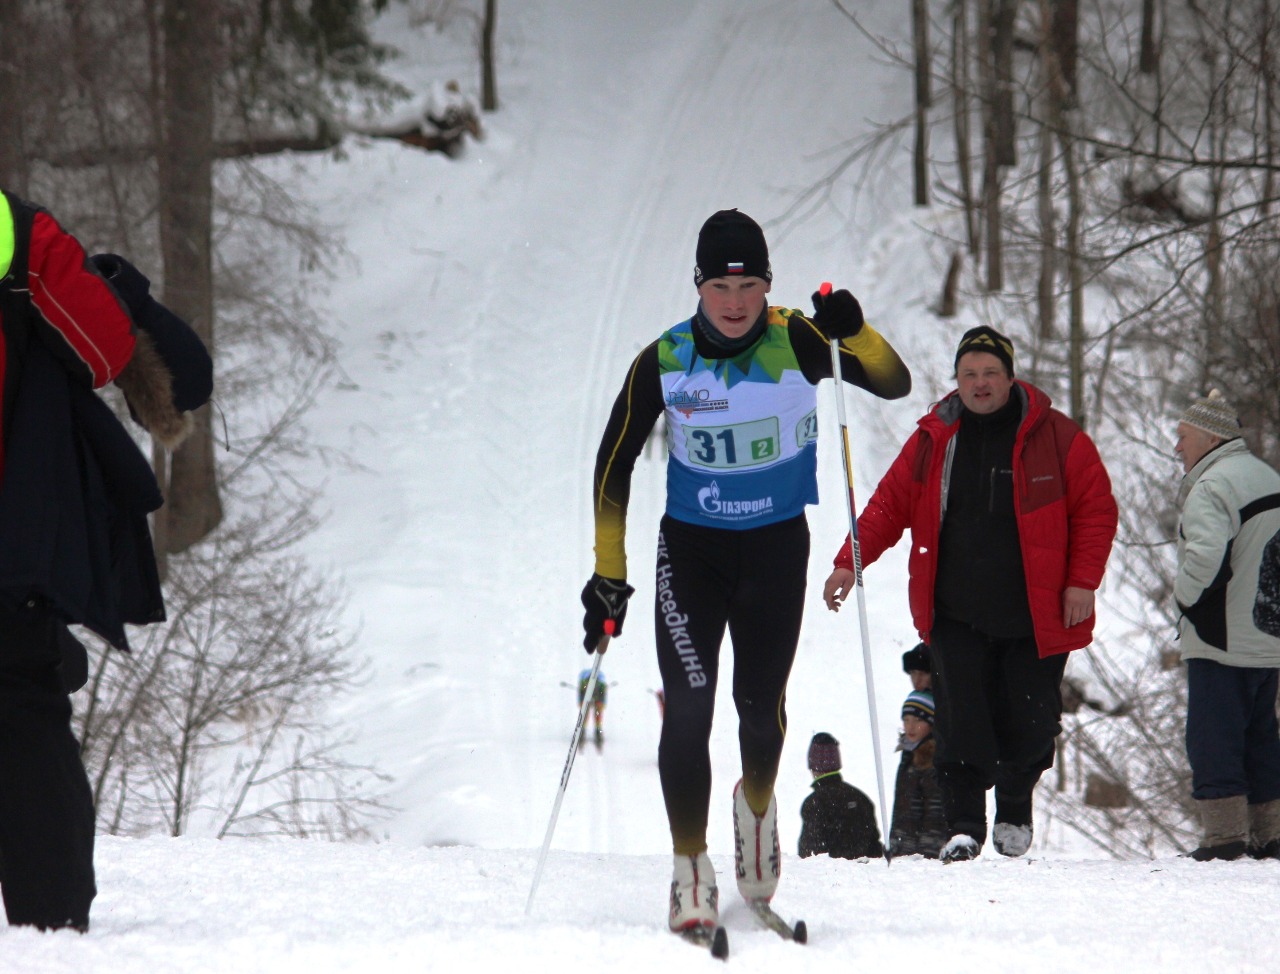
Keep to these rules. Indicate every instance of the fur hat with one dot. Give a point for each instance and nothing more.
(731, 244)
(824, 753)
(919, 703)
(986, 339)
(917, 659)
(171, 371)
(1213, 415)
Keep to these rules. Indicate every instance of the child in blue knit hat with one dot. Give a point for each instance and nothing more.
(919, 826)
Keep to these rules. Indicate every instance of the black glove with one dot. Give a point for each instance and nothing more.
(837, 315)
(603, 598)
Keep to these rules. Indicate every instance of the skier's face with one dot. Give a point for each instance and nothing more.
(1193, 443)
(984, 384)
(733, 303)
(921, 680)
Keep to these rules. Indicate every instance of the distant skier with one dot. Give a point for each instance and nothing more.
(837, 819)
(599, 697)
(736, 383)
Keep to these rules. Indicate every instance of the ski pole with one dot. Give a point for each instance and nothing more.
(852, 509)
(568, 764)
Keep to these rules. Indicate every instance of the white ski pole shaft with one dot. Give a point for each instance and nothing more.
(568, 764)
(852, 509)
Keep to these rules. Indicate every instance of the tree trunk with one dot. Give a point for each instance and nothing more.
(1267, 67)
(13, 101)
(488, 71)
(920, 35)
(993, 217)
(193, 507)
(1148, 53)
(1051, 104)
(1075, 276)
(1064, 38)
(960, 103)
(1046, 304)
(1001, 25)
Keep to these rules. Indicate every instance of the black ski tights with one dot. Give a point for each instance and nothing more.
(753, 582)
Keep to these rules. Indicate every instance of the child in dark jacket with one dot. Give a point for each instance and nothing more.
(919, 825)
(837, 818)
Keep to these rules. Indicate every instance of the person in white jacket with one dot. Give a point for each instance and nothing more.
(1228, 592)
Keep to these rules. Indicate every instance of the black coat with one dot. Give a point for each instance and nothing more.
(919, 825)
(77, 489)
(839, 820)
(74, 505)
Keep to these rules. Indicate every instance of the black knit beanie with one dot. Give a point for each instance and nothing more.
(987, 339)
(731, 244)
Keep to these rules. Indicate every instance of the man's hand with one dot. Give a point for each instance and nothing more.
(604, 599)
(836, 590)
(1077, 605)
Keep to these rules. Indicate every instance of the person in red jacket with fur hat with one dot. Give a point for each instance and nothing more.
(75, 548)
(1011, 518)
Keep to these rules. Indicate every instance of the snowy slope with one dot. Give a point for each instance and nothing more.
(501, 299)
(486, 317)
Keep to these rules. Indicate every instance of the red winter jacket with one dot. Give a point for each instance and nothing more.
(89, 326)
(1066, 514)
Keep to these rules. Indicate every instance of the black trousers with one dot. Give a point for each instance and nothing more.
(998, 712)
(753, 583)
(1233, 738)
(46, 805)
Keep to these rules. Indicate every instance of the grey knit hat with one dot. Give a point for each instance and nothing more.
(1214, 415)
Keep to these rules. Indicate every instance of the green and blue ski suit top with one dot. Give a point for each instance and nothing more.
(741, 432)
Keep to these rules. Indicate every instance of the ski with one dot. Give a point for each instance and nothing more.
(716, 939)
(768, 918)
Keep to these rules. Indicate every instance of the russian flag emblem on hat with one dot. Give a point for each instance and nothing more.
(734, 267)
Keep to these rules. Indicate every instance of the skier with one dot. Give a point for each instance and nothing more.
(599, 697)
(736, 383)
(837, 819)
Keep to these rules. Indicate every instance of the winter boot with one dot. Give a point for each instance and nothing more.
(1010, 839)
(1011, 835)
(694, 896)
(757, 854)
(1226, 827)
(960, 848)
(1264, 830)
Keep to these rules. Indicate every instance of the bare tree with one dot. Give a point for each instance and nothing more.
(13, 85)
(923, 58)
(191, 61)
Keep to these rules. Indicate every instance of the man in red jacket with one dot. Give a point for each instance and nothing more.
(1011, 519)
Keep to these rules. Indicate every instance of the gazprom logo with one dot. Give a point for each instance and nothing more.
(709, 500)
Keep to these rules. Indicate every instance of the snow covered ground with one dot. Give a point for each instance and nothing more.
(485, 321)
